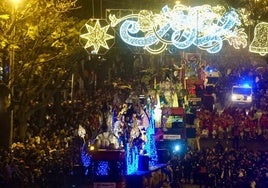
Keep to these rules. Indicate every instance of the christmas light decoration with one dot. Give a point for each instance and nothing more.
(94, 37)
(150, 145)
(103, 168)
(260, 42)
(157, 114)
(132, 159)
(85, 157)
(181, 27)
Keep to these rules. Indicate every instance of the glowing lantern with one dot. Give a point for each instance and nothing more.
(260, 41)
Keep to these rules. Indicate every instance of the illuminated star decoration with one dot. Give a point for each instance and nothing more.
(96, 36)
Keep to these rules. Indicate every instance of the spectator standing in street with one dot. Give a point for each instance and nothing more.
(187, 168)
(203, 174)
(175, 163)
(236, 136)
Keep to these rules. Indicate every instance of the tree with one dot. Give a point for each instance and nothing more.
(42, 37)
(4, 115)
(256, 9)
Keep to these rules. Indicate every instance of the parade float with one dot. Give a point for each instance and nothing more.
(132, 164)
(135, 149)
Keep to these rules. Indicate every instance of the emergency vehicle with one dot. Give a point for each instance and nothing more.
(212, 77)
(242, 94)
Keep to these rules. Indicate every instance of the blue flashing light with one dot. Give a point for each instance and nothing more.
(212, 71)
(177, 148)
(246, 85)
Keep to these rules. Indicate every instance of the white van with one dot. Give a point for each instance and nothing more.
(241, 94)
(211, 78)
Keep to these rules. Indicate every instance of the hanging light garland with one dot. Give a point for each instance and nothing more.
(181, 27)
(173, 29)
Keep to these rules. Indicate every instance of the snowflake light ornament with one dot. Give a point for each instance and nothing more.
(94, 36)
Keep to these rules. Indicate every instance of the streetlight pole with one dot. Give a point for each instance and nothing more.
(11, 65)
(11, 86)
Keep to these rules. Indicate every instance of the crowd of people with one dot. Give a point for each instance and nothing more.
(50, 155)
(233, 122)
(219, 167)
(225, 119)
(47, 157)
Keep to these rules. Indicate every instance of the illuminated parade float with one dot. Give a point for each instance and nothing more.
(138, 163)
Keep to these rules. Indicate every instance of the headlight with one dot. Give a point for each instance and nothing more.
(233, 97)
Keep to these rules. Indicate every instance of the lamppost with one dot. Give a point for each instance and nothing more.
(15, 4)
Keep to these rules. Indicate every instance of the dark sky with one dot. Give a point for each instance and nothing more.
(87, 10)
(96, 8)
(100, 6)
